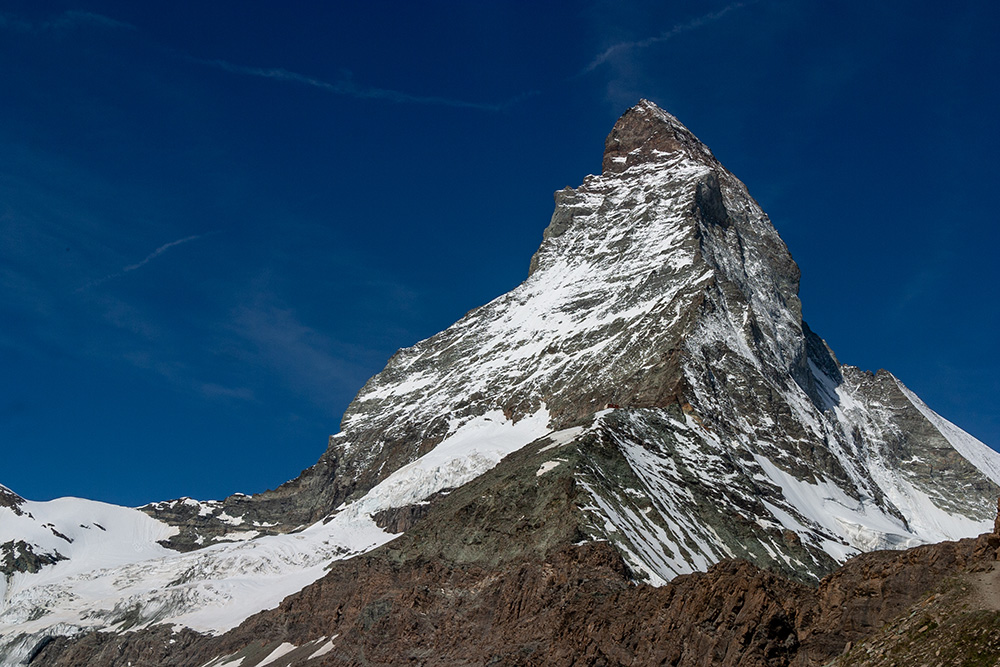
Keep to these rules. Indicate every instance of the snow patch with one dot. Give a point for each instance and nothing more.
(231, 520)
(324, 649)
(475, 447)
(548, 466)
(863, 525)
(563, 437)
(283, 649)
(237, 536)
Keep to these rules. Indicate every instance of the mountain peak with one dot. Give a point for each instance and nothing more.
(644, 134)
(650, 391)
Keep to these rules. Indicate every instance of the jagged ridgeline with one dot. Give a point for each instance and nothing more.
(652, 386)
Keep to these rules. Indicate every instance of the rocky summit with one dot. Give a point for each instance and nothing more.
(640, 455)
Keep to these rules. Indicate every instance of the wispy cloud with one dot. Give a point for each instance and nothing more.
(77, 18)
(678, 29)
(343, 86)
(212, 390)
(66, 21)
(159, 251)
(347, 88)
(273, 337)
(146, 260)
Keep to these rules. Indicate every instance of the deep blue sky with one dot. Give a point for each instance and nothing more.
(218, 219)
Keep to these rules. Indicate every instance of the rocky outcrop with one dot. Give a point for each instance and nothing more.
(292, 506)
(948, 597)
(874, 589)
(19, 556)
(11, 500)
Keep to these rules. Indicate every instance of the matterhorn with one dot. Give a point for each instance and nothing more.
(640, 455)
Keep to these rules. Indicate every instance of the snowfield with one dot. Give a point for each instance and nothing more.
(117, 577)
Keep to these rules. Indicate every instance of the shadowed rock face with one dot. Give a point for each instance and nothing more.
(695, 419)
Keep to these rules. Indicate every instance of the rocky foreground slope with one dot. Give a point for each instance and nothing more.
(648, 404)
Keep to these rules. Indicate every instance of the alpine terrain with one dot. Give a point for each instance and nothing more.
(640, 455)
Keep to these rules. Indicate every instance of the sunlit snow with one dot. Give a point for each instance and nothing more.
(123, 570)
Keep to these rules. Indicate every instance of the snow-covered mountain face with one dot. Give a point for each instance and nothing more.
(657, 348)
(663, 292)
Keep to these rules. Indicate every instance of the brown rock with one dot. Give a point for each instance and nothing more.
(644, 131)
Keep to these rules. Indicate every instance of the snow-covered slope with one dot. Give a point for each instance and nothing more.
(692, 499)
(71, 536)
(659, 325)
(110, 573)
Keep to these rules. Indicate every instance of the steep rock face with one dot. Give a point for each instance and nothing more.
(661, 285)
(656, 357)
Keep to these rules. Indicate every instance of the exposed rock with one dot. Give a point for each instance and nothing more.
(11, 500)
(400, 519)
(293, 505)
(956, 622)
(19, 556)
(645, 133)
(873, 589)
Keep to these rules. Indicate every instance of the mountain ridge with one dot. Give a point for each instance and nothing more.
(654, 363)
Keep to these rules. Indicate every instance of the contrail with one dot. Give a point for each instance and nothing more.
(662, 37)
(156, 253)
(65, 21)
(348, 88)
(150, 257)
